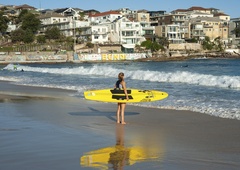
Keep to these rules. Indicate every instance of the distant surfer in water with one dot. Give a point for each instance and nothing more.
(120, 84)
(14, 67)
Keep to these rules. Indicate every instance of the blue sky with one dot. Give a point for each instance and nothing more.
(230, 7)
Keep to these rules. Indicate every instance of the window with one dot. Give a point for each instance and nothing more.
(129, 33)
(149, 32)
(96, 36)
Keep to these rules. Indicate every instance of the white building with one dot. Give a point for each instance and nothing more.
(99, 34)
(52, 18)
(104, 17)
(66, 24)
(195, 14)
(126, 11)
(174, 34)
(11, 27)
(123, 31)
(120, 29)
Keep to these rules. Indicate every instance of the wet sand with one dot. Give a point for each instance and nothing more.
(44, 128)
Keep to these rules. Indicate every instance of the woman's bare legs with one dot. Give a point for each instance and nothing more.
(121, 111)
(123, 106)
(118, 112)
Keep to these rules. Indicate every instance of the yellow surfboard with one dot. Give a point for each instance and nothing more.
(118, 96)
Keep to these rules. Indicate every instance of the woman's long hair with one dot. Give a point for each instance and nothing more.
(120, 76)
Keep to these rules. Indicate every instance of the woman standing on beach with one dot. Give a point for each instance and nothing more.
(121, 106)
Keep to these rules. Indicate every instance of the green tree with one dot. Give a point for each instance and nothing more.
(17, 35)
(153, 46)
(53, 33)
(28, 36)
(22, 14)
(147, 44)
(192, 40)
(218, 44)
(30, 21)
(41, 39)
(90, 45)
(18, 20)
(163, 41)
(207, 44)
(3, 23)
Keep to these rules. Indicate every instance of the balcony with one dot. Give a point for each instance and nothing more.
(129, 28)
(179, 19)
(198, 33)
(148, 28)
(132, 36)
(99, 32)
(207, 26)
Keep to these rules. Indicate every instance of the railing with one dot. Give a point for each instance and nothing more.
(99, 32)
(148, 28)
(129, 28)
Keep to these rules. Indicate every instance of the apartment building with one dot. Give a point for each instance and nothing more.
(212, 27)
(172, 32)
(174, 26)
(143, 17)
(124, 31)
(121, 29)
(234, 38)
(65, 19)
(194, 22)
(154, 16)
(100, 34)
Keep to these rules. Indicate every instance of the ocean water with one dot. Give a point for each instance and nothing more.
(209, 86)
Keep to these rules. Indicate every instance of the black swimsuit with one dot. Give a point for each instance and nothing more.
(118, 84)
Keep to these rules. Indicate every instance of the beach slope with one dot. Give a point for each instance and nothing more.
(44, 128)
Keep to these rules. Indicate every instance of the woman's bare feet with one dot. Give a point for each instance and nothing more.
(124, 123)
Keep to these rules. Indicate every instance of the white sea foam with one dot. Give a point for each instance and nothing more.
(232, 82)
(14, 79)
(214, 106)
(233, 113)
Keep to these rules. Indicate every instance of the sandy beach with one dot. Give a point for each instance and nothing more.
(44, 128)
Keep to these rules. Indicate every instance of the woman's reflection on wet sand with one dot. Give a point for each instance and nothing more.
(137, 148)
(120, 157)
